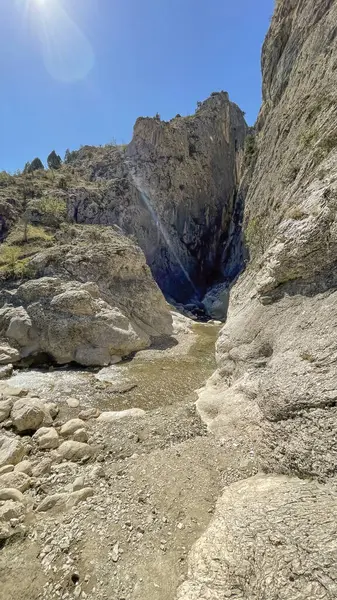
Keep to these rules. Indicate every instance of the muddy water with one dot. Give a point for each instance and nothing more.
(153, 378)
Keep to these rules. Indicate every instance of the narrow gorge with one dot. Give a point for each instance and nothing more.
(135, 464)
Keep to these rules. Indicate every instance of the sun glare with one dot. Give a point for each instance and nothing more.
(66, 52)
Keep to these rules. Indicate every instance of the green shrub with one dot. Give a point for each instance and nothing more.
(308, 138)
(62, 183)
(70, 156)
(256, 236)
(24, 232)
(292, 173)
(10, 263)
(47, 211)
(5, 178)
(35, 165)
(251, 150)
(296, 214)
(329, 143)
(54, 160)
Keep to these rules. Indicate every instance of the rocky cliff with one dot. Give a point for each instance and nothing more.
(174, 189)
(275, 389)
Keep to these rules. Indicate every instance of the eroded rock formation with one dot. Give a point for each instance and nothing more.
(276, 384)
(91, 300)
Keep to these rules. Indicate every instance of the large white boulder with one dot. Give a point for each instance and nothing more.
(47, 438)
(27, 414)
(12, 450)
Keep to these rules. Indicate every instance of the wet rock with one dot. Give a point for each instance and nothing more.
(74, 451)
(27, 414)
(15, 480)
(112, 416)
(68, 429)
(6, 371)
(47, 438)
(12, 450)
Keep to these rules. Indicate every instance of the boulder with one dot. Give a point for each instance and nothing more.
(25, 466)
(52, 409)
(11, 510)
(69, 428)
(74, 451)
(72, 402)
(16, 480)
(80, 435)
(112, 416)
(12, 450)
(64, 500)
(43, 467)
(5, 409)
(8, 354)
(269, 533)
(63, 315)
(216, 302)
(6, 371)
(27, 414)
(6, 469)
(11, 494)
(47, 438)
(89, 413)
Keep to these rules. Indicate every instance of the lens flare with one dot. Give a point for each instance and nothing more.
(67, 53)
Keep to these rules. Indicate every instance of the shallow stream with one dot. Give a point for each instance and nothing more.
(153, 378)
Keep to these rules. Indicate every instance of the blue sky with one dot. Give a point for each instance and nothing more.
(81, 71)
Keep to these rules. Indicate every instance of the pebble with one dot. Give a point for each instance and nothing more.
(72, 402)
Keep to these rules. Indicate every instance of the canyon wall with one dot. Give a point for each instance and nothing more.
(174, 189)
(275, 390)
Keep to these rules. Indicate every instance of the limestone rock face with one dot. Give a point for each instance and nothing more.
(173, 190)
(276, 351)
(276, 383)
(270, 533)
(94, 300)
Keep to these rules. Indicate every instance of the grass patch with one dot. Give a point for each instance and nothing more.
(296, 213)
(12, 264)
(23, 233)
(256, 236)
(307, 356)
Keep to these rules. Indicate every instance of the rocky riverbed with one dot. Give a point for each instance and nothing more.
(106, 498)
